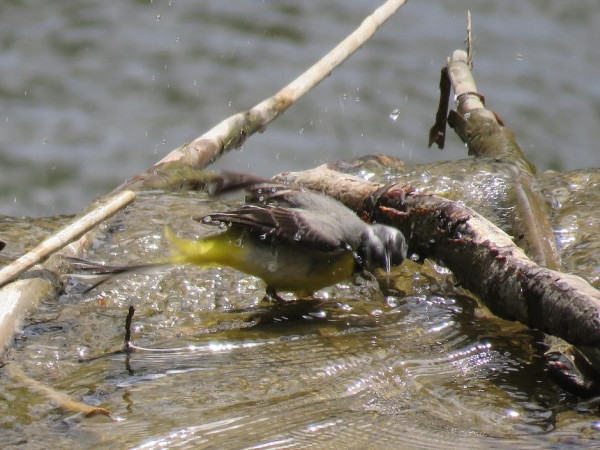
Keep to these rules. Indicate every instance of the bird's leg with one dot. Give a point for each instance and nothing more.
(272, 296)
(281, 310)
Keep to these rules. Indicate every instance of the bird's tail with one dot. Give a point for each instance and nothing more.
(100, 273)
(202, 253)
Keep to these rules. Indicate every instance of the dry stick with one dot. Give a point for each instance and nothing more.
(233, 131)
(65, 236)
(482, 257)
(469, 42)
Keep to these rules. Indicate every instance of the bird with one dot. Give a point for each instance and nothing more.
(295, 239)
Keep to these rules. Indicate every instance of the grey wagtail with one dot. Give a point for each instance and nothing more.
(294, 239)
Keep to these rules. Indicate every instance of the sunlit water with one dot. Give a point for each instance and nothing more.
(421, 365)
(95, 92)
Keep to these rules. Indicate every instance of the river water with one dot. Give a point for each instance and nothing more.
(94, 92)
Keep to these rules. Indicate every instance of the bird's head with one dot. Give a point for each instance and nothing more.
(381, 246)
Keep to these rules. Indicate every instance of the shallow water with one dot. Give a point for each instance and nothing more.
(422, 365)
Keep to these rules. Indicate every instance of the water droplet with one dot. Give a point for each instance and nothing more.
(301, 131)
(263, 236)
(512, 413)
(207, 219)
(158, 17)
(394, 115)
(298, 235)
(238, 242)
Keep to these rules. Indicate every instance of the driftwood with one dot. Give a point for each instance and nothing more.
(482, 257)
(487, 137)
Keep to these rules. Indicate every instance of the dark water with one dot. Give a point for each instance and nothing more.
(93, 92)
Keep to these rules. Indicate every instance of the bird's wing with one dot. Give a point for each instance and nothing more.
(292, 212)
(277, 224)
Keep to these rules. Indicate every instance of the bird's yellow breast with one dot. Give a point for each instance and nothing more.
(283, 266)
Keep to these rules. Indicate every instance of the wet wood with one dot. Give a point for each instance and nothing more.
(487, 136)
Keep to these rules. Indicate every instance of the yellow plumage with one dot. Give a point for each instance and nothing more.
(288, 268)
(213, 251)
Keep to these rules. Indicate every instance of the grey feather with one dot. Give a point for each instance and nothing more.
(297, 216)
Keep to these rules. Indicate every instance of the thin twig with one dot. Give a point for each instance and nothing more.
(65, 235)
(470, 49)
(61, 399)
(127, 347)
(128, 320)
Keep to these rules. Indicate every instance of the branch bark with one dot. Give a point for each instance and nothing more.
(487, 137)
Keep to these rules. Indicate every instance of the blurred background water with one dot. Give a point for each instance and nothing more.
(93, 92)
